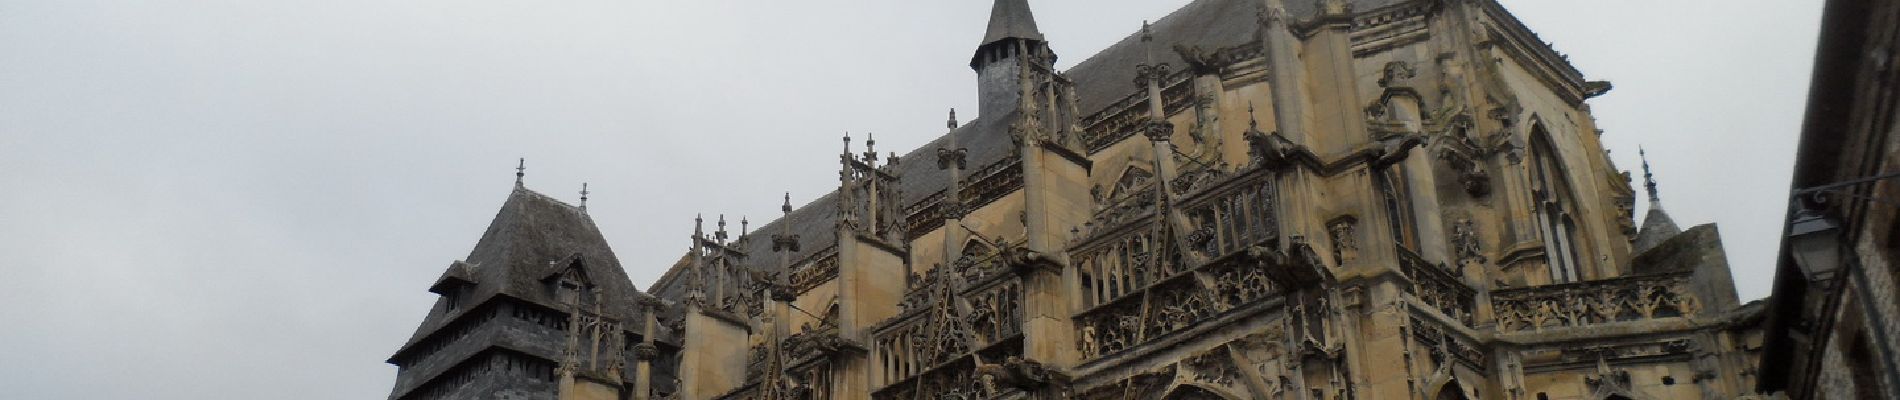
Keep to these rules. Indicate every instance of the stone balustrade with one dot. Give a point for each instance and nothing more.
(1580, 304)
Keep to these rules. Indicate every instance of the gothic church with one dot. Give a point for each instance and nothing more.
(1249, 199)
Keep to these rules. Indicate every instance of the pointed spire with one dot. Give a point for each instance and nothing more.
(952, 124)
(744, 227)
(521, 169)
(787, 208)
(870, 148)
(584, 193)
(1649, 180)
(696, 283)
(1657, 225)
(1011, 19)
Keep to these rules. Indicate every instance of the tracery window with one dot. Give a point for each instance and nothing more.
(1555, 201)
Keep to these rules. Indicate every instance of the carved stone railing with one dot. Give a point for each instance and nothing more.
(1228, 215)
(1442, 344)
(1438, 287)
(955, 319)
(1171, 305)
(1588, 303)
(1140, 286)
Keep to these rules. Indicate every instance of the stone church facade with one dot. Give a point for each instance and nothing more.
(1249, 199)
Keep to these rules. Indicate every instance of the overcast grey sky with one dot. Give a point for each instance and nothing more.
(248, 199)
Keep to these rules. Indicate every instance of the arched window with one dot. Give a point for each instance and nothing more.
(1555, 201)
(1398, 206)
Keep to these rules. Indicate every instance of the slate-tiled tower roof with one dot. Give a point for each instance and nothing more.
(1011, 19)
(503, 298)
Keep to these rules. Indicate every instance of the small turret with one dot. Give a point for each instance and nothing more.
(1010, 43)
(1657, 226)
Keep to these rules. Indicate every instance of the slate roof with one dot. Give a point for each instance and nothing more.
(816, 222)
(1108, 76)
(1657, 227)
(532, 238)
(1101, 80)
(1011, 19)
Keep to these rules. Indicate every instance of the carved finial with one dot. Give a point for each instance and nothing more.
(1252, 122)
(521, 169)
(1147, 39)
(785, 240)
(847, 143)
(584, 193)
(953, 119)
(699, 225)
(870, 148)
(720, 234)
(1649, 180)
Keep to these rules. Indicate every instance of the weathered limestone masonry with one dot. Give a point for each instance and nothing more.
(1245, 199)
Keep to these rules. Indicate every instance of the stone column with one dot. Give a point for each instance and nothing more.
(645, 352)
(1055, 193)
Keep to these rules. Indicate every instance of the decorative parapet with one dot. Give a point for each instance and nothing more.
(1229, 215)
(958, 319)
(1588, 303)
(1437, 286)
(1175, 303)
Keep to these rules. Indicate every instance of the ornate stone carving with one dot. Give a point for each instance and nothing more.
(1465, 240)
(1343, 231)
(1594, 302)
(1271, 150)
(1157, 73)
(821, 267)
(645, 352)
(1158, 130)
(1397, 73)
(1439, 287)
(1015, 372)
(1214, 367)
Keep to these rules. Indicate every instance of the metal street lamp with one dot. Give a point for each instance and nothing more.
(1813, 237)
(1814, 240)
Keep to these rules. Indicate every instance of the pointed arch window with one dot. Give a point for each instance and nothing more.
(1554, 204)
(1393, 190)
